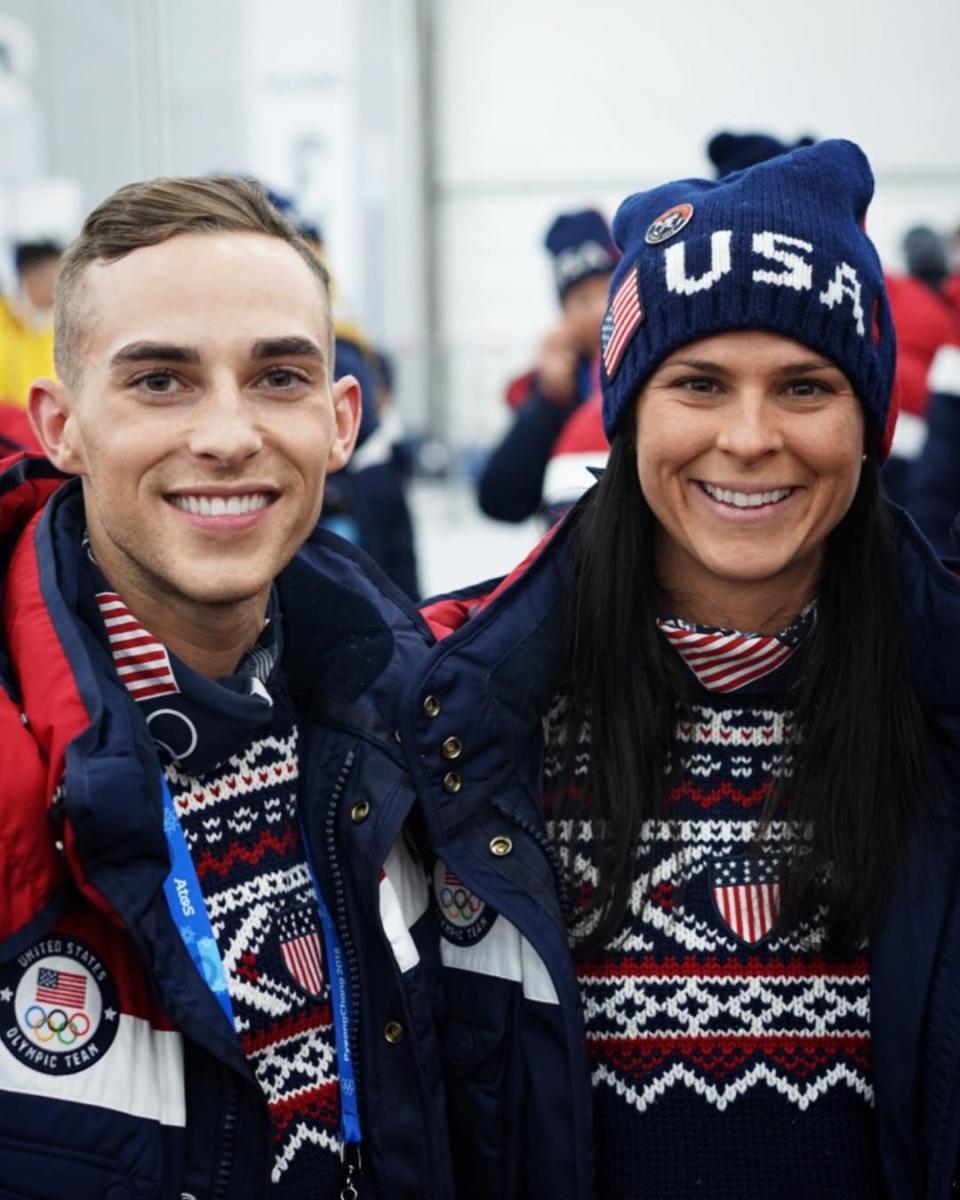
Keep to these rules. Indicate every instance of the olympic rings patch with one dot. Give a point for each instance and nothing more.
(464, 918)
(58, 1006)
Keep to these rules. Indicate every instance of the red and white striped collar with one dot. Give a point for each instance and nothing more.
(724, 660)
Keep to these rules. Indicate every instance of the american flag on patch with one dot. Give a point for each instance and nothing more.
(724, 661)
(141, 661)
(302, 950)
(61, 987)
(620, 323)
(746, 892)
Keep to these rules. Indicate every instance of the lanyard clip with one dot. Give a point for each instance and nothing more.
(350, 1155)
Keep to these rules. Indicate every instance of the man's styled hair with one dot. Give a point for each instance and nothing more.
(148, 213)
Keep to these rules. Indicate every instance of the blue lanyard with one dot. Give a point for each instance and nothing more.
(340, 996)
(182, 890)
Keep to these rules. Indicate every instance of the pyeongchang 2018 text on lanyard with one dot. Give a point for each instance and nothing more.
(182, 890)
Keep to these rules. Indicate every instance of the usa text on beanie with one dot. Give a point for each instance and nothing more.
(780, 246)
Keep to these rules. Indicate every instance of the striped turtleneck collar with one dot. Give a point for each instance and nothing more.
(725, 660)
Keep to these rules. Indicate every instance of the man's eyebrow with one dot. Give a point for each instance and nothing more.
(135, 352)
(287, 347)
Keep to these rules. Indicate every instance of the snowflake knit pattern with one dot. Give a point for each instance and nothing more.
(242, 827)
(729, 1059)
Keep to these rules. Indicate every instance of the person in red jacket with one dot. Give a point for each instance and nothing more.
(925, 320)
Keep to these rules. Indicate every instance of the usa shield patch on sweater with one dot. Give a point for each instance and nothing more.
(746, 893)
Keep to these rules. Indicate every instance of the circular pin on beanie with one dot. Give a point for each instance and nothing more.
(668, 224)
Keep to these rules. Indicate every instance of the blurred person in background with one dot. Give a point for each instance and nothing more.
(933, 487)
(367, 503)
(511, 486)
(26, 339)
(378, 472)
(951, 286)
(217, 961)
(26, 321)
(693, 769)
(926, 319)
(729, 151)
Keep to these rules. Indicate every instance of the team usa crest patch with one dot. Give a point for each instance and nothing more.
(464, 918)
(746, 892)
(58, 1006)
(668, 224)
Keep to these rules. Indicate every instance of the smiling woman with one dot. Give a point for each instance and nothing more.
(745, 595)
(748, 454)
(745, 669)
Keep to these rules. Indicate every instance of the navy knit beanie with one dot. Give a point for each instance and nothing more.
(779, 246)
(581, 245)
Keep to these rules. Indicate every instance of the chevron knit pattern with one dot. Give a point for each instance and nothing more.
(730, 1059)
(242, 828)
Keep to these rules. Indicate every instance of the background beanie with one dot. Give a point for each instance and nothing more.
(734, 151)
(581, 245)
(779, 246)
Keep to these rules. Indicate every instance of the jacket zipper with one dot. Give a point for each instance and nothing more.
(550, 853)
(340, 906)
(229, 1140)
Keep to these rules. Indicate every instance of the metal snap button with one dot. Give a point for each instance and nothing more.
(500, 846)
(431, 706)
(360, 812)
(452, 782)
(393, 1032)
(452, 748)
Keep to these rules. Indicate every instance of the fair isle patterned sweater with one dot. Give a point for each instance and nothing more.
(242, 828)
(229, 750)
(729, 1059)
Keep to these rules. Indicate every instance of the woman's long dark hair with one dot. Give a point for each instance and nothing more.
(861, 773)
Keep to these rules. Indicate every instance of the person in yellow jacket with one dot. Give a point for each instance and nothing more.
(26, 322)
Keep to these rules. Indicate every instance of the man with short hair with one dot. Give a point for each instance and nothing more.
(217, 962)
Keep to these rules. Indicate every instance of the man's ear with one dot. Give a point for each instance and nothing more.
(346, 411)
(50, 407)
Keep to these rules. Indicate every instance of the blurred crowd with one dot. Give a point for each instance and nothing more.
(554, 444)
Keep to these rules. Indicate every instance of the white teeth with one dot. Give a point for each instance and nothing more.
(745, 499)
(220, 506)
